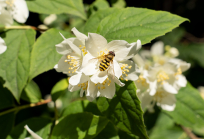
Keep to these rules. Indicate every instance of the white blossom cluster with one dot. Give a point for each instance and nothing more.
(82, 57)
(161, 77)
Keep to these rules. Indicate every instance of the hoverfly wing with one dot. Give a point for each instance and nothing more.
(111, 70)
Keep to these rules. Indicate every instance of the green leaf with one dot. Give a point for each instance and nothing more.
(165, 129)
(131, 24)
(125, 135)
(6, 98)
(109, 132)
(59, 89)
(98, 5)
(189, 110)
(74, 7)
(31, 93)
(78, 126)
(94, 21)
(15, 62)
(125, 110)
(44, 55)
(6, 124)
(79, 107)
(41, 126)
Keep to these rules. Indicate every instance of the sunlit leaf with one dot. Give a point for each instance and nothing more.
(44, 55)
(15, 62)
(74, 7)
(125, 110)
(131, 24)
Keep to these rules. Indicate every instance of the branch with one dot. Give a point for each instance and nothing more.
(26, 106)
(23, 27)
(189, 133)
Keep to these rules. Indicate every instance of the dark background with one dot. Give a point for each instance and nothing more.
(191, 9)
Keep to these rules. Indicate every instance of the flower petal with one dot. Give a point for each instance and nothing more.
(21, 12)
(117, 69)
(34, 135)
(120, 48)
(116, 80)
(72, 88)
(89, 65)
(168, 103)
(79, 35)
(169, 88)
(134, 48)
(153, 87)
(3, 46)
(63, 47)
(157, 48)
(92, 91)
(108, 91)
(6, 18)
(78, 78)
(130, 72)
(145, 99)
(99, 77)
(95, 43)
(138, 60)
(181, 80)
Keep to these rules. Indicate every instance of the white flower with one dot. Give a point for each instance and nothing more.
(3, 46)
(93, 90)
(97, 46)
(34, 135)
(17, 9)
(165, 100)
(72, 50)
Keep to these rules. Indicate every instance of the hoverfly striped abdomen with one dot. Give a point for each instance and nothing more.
(106, 61)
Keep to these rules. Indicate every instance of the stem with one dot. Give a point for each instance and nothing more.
(26, 106)
(189, 133)
(22, 27)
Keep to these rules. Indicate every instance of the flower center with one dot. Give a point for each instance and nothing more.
(125, 69)
(10, 2)
(73, 62)
(83, 49)
(103, 85)
(179, 72)
(83, 86)
(159, 96)
(103, 53)
(142, 80)
(162, 76)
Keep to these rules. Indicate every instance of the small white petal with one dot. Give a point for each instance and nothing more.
(21, 12)
(3, 46)
(157, 48)
(6, 18)
(95, 43)
(133, 49)
(99, 77)
(120, 48)
(181, 80)
(78, 79)
(72, 88)
(117, 69)
(79, 35)
(63, 47)
(153, 87)
(49, 19)
(117, 81)
(34, 135)
(89, 65)
(169, 88)
(92, 91)
(145, 99)
(108, 91)
(168, 103)
(138, 60)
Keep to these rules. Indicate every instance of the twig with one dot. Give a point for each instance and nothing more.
(189, 133)
(192, 38)
(26, 106)
(23, 27)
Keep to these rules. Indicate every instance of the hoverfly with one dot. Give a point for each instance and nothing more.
(106, 62)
